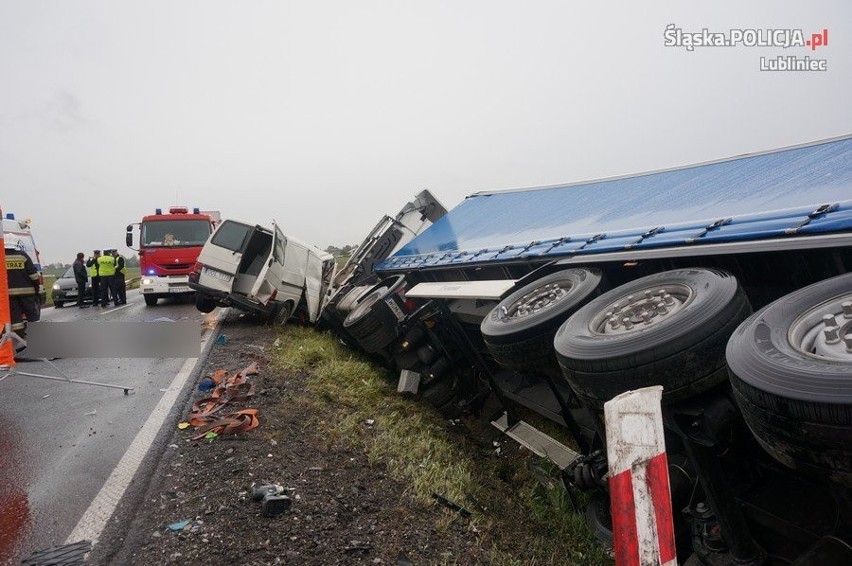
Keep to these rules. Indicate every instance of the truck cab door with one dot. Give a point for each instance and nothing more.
(269, 279)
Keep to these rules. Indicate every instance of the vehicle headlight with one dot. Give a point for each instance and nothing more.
(147, 281)
(56, 287)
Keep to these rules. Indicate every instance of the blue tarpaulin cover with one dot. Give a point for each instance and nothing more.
(796, 191)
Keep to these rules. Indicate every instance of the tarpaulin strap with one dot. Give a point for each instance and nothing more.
(232, 423)
(590, 241)
(821, 211)
(558, 243)
(648, 234)
(709, 228)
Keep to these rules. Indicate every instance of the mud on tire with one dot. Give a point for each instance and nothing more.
(793, 385)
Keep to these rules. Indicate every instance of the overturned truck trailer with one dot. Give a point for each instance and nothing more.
(728, 283)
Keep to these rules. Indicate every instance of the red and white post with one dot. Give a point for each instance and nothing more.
(7, 353)
(640, 496)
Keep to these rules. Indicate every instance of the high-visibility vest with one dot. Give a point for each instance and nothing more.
(106, 265)
(93, 267)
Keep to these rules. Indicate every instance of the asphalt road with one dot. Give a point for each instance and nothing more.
(60, 442)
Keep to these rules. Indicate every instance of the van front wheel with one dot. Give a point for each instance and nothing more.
(150, 300)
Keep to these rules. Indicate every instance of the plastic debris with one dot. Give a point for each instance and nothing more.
(92, 413)
(46, 396)
(222, 339)
(454, 506)
(183, 425)
(206, 384)
(211, 436)
(179, 526)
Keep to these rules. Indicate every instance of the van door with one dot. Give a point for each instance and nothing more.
(268, 282)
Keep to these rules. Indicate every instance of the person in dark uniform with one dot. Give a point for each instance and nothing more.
(80, 276)
(92, 264)
(120, 290)
(106, 271)
(23, 286)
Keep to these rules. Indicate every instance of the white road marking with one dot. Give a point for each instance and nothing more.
(94, 520)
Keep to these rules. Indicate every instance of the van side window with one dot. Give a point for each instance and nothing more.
(278, 249)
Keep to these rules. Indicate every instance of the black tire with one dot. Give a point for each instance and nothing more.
(372, 322)
(202, 303)
(150, 300)
(441, 394)
(281, 314)
(525, 343)
(798, 404)
(58, 304)
(685, 352)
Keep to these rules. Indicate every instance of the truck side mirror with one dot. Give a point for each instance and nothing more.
(128, 238)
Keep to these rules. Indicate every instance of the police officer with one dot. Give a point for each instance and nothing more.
(120, 290)
(81, 277)
(92, 264)
(106, 271)
(23, 285)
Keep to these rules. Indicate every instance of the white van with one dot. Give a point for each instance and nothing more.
(261, 271)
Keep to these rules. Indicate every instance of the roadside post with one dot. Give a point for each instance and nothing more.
(640, 496)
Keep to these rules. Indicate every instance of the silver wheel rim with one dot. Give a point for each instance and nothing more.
(367, 303)
(644, 308)
(538, 300)
(825, 331)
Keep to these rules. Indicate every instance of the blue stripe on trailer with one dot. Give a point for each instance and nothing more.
(804, 190)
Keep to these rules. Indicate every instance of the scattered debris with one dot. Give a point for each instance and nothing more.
(221, 340)
(92, 413)
(370, 422)
(179, 526)
(454, 506)
(45, 396)
(183, 425)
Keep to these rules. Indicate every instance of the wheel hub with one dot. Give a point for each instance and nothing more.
(538, 300)
(825, 331)
(642, 309)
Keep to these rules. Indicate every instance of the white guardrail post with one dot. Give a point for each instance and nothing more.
(640, 496)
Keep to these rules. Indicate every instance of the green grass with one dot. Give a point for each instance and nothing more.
(418, 448)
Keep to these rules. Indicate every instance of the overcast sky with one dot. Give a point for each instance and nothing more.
(325, 115)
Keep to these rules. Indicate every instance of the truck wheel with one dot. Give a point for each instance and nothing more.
(442, 395)
(519, 331)
(372, 322)
(202, 303)
(666, 329)
(150, 300)
(791, 371)
(350, 299)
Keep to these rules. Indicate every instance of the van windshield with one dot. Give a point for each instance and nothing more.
(175, 233)
(231, 235)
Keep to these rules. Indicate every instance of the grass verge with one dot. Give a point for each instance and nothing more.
(521, 521)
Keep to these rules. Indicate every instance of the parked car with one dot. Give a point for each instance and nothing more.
(65, 290)
(261, 271)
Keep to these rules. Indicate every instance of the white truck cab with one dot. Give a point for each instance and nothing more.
(262, 271)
